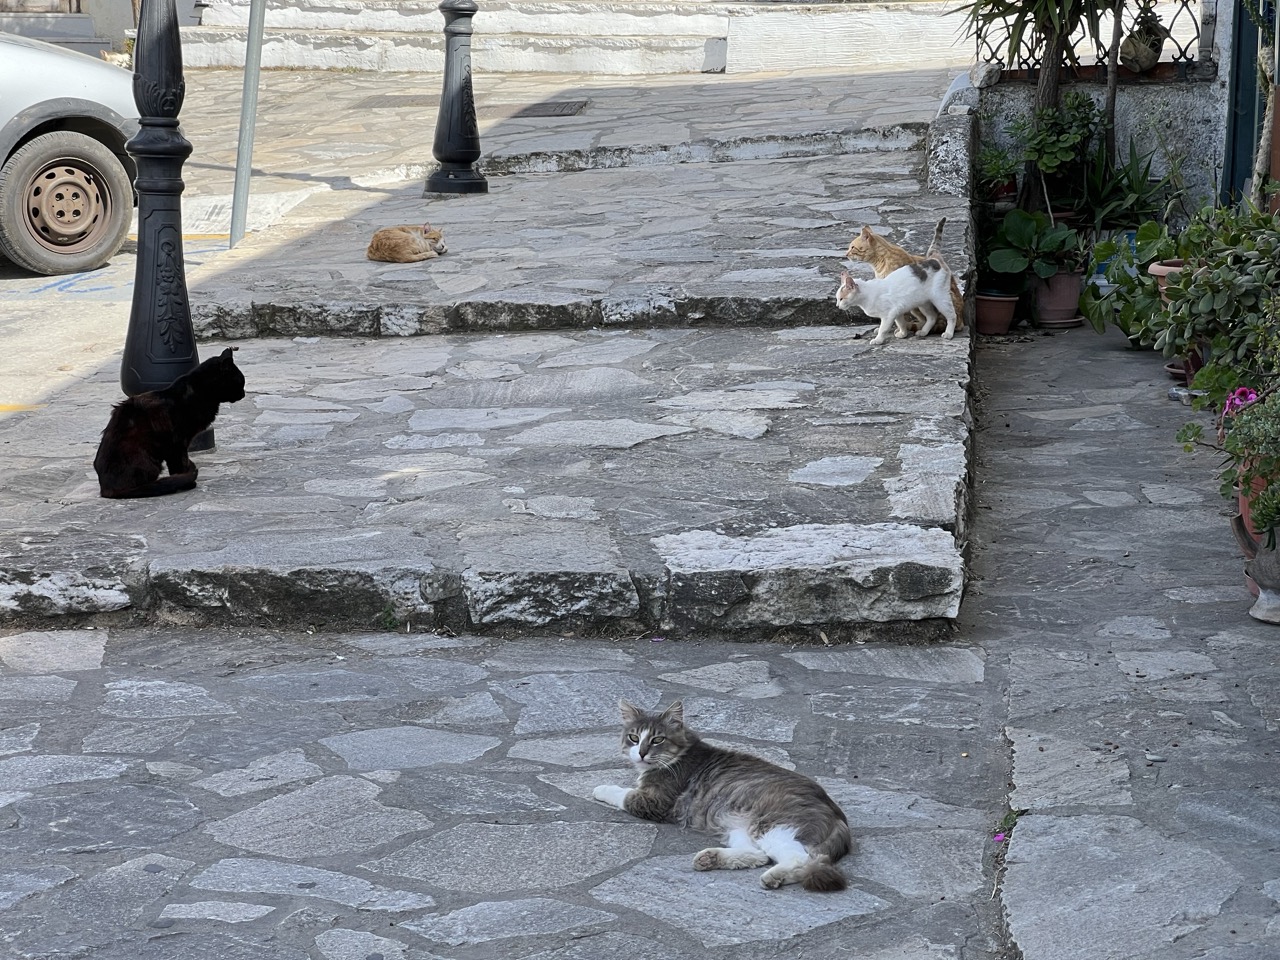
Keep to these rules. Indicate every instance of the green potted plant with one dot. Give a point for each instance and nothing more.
(1120, 195)
(1057, 141)
(996, 172)
(1052, 255)
(1127, 296)
(1222, 303)
(1249, 437)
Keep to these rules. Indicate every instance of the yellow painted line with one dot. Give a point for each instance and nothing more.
(18, 407)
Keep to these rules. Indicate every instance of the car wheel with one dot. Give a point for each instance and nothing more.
(66, 203)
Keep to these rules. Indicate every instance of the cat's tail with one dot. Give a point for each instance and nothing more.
(935, 248)
(820, 876)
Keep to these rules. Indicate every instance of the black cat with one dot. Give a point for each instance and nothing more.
(155, 428)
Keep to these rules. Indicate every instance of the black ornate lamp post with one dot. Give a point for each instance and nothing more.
(457, 144)
(160, 345)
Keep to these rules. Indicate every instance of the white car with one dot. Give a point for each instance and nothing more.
(66, 182)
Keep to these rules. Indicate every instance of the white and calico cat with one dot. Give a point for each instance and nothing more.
(764, 813)
(924, 286)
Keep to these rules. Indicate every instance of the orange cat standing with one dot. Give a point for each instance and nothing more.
(406, 244)
(886, 257)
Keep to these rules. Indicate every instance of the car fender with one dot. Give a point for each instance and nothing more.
(69, 113)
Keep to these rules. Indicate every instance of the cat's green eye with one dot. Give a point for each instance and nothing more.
(633, 738)
(657, 740)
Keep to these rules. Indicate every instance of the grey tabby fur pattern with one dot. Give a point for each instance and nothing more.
(763, 812)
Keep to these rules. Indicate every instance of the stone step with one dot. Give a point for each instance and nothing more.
(588, 36)
(424, 52)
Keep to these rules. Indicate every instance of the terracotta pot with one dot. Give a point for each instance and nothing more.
(1244, 500)
(1162, 270)
(1058, 297)
(993, 312)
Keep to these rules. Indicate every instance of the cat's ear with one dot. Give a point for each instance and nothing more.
(226, 354)
(866, 233)
(674, 713)
(630, 712)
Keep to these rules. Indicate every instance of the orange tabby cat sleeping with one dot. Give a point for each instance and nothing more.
(886, 257)
(406, 244)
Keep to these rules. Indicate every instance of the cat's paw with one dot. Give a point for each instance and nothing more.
(879, 339)
(772, 879)
(611, 794)
(949, 335)
(708, 859)
(900, 334)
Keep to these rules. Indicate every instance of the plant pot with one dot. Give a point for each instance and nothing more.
(1057, 298)
(1244, 500)
(1162, 270)
(993, 312)
(1192, 363)
(1008, 190)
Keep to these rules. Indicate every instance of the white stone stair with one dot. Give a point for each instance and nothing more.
(617, 37)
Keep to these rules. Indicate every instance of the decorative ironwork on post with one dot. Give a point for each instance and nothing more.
(457, 144)
(160, 345)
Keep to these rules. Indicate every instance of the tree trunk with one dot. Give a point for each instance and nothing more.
(1262, 155)
(1033, 189)
(1113, 80)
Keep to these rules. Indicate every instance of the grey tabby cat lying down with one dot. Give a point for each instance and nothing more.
(763, 812)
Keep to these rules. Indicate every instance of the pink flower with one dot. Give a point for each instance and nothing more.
(998, 838)
(1240, 398)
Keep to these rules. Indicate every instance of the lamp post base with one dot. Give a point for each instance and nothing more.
(456, 180)
(203, 442)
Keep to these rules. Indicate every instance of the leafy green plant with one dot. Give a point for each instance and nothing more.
(1033, 242)
(1225, 299)
(1055, 138)
(995, 167)
(1249, 439)
(1120, 195)
(1133, 297)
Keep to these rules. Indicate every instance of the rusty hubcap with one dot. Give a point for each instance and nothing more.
(67, 205)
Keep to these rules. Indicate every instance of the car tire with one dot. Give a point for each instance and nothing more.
(66, 203)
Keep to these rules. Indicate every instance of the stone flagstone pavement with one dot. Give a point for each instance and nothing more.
(215, 795)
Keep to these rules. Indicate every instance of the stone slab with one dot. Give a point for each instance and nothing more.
(361, 529)
(813, 573)
(268, 877)
(337, 815)
(1158, 890)
(730, 907)
(500, 858)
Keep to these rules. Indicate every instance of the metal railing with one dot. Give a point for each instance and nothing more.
(1188, 47)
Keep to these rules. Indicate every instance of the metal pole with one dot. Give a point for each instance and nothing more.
(457, 144)
(248, 118)
(160, 345)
